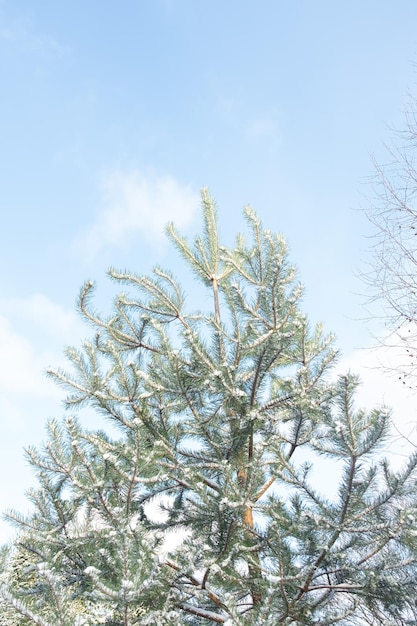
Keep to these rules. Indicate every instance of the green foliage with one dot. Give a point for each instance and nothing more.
(205, 508)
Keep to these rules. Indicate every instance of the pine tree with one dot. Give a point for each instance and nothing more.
(204, 506)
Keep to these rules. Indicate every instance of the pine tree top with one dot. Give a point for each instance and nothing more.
(206, 507)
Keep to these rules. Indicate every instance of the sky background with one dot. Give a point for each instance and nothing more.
(114, 115)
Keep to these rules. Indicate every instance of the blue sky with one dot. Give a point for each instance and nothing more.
(113, 116)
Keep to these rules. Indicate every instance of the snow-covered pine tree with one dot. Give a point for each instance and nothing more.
(206, 507)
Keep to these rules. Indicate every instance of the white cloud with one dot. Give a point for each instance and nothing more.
(20, 368)
(33, 331)
(40, 311)
(133, 203)
(44, 323)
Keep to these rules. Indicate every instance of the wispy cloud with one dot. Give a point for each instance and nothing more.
(20, 370)
(33, 331)
(40, 311)
(22, 363)
(133, 204)
(22, 32)
(253, 123)
(261, 127)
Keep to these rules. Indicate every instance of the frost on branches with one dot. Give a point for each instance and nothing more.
(205, 508)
